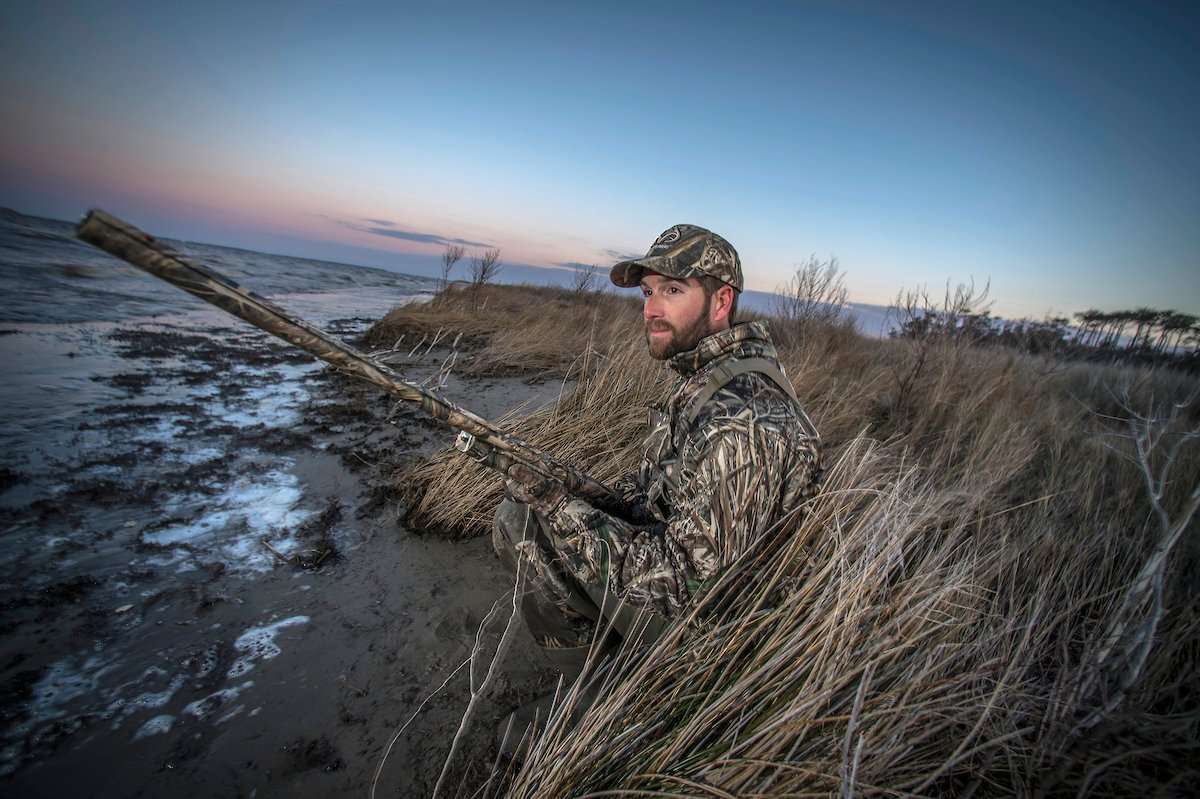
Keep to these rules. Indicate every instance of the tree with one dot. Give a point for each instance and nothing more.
(1175, 325)
(1144, 319)
(814, 293)
(585, 279)
(484, 268)
(1191, 337)
(452, 255)
(1155, 333)
(1089, 322)
(1114, 324)
(957, 321)
(963, 314)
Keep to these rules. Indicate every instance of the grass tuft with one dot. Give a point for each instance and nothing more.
(511, 330)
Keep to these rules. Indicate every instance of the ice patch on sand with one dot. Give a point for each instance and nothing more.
(153, 699)
(155, 726)
(171, 558)
(203, 708)
(207, 662)
(275, 404)
(62, 683)
(236, 519)
(258, 643)
(199, 455)
(163, 430)
(148, 700)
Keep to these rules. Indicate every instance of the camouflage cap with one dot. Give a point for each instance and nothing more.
(683, 251)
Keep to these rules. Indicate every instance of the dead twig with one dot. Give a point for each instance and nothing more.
(282, 557)
(481, 690)
(477, 692)
(1125, 645)
(417, 346)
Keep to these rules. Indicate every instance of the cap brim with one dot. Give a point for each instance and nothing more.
(628, 274)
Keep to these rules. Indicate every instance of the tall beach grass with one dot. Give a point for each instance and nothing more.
(981, 601)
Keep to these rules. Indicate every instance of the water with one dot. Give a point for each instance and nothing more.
(66, 307)
(146, 441)
(50, 276)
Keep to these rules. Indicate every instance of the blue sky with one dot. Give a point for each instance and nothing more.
(1046, 148)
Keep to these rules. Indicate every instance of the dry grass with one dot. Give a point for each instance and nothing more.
(888, 641)
(604, 389)
(511, 329)
(944, 619)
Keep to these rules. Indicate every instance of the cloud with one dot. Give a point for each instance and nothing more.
(619, 256)
(581, 267)
(382, 227)
(424, 238)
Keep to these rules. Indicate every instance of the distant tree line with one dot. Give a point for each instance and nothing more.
(1143, 335)
(1153, 331)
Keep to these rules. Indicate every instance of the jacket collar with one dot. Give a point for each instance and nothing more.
(744, 338)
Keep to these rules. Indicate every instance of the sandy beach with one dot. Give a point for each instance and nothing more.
(206, 578)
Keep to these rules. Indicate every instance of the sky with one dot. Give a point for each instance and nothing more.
(1048, 149)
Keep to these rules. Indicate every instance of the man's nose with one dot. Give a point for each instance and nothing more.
(651, 308)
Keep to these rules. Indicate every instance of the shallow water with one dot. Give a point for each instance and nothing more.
(143, 451)
(49, 276)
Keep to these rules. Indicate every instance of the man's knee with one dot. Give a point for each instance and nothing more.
(508, 529)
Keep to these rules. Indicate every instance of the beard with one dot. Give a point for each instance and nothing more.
(681, 339)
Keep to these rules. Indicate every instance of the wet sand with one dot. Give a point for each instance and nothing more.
(208, 590)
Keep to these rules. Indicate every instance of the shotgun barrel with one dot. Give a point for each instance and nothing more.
(479, 438)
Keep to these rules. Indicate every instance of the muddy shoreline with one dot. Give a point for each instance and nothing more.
(208, 589)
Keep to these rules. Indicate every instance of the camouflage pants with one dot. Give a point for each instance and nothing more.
(561, 612)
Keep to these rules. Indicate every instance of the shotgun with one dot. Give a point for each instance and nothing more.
(478, 438)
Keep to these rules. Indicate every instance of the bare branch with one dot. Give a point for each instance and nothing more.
(484, 268)
(452, 255)
(585, 279)
(814, 293)
(1122, 650)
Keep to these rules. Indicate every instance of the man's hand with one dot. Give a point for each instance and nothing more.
(525, 485)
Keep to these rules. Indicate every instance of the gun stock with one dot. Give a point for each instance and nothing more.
(479, 438)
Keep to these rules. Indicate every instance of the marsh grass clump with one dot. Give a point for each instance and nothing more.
(511, 330)
(995, 593)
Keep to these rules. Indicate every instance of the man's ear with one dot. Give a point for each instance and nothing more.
(722, 302)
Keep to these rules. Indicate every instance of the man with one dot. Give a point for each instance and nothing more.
(729, 453)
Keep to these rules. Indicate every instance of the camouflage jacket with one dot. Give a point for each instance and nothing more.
(704, 489)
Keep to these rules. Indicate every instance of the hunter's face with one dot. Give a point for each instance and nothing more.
(677, 314)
